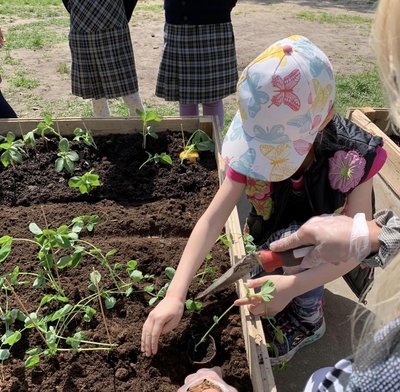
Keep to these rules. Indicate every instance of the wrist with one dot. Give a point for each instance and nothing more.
(374, 231)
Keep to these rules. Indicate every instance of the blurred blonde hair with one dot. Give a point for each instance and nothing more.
(386, 42)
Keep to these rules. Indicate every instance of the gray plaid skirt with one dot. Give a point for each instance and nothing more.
(198, 63)
(103, 65)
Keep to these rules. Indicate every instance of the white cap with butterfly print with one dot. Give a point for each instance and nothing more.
(284, 96)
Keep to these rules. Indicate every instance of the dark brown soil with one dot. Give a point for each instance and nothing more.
(147, 215)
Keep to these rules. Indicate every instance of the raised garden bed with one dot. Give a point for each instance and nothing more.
(147, 215)
(377, 122)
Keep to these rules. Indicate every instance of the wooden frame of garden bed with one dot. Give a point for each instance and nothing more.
(257, 353)
(376, 121)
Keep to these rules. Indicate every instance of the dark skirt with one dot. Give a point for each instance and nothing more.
(198, 63)
(103, 64)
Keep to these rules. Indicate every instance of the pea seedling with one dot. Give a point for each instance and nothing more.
(85, 136)
(67, 157)
(85, 183)
(198, 141)
(13, 150)
(162, 158)
(148, 130)
(266, 289)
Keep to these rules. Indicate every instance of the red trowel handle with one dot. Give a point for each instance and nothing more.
(270, 261)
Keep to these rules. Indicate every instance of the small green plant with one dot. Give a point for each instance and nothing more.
(67, 157)
(193, 306)
(163, 159)
(85, 136)
(13, 150)
(85, 183)
(267, 288)
(170, 272)
(249, 245)
(206, 270)
(197, 142)
(63, 68)
(148, 116)
(43, 128)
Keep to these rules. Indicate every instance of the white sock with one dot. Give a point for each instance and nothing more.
(133, 102)
(100, 107)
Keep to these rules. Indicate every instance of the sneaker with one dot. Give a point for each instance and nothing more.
(286, 334)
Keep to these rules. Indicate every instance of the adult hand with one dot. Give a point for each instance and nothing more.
(2, 40)
(282, 295)
(337, 239)
(162, 319)
(200, 378)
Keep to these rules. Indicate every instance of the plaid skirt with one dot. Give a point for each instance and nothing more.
(198, 63)
(103, 64)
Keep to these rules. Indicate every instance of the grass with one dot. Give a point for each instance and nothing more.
(325, 17)
(63, 68)
(357, 90)
(36, 35)
(32, 8)
(22, 81)
(9, 60)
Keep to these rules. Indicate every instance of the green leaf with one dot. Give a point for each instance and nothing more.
(63, 145)
(35, 229)
(132, 264)
(215, 319)
(59, 165)
(110, 302)
(5, 248)
(4, 354)
(152, 301)
(170, 272)
(32, 361)
(89, 313)
(112, 252)
(64, 261)
(14, 338)
(149, 288)
(136, 276)
(266, 289)
(73, 156)
(165, 159)
(95, 277)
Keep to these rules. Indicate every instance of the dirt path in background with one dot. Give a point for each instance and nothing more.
(257, 24)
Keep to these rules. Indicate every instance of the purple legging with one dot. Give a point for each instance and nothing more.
(213, 108)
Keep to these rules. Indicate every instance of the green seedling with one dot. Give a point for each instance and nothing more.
(84, 135)
(170, 272)
(85, 183)
(198, 141)
(225, 239)
(13, 150)
(249, 245)
(45, 127)
(148, 116)
(207, 270)
(193, 306)
(266, 289)
(67, 157)
(163, 159)
(136, 276)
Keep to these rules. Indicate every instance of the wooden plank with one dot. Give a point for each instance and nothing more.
(112, 125)
(256, 349)
(391, 169)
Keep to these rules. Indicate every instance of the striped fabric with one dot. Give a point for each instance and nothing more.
(103, 64)
(198, 63)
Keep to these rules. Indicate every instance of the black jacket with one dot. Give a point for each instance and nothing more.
(198, 12)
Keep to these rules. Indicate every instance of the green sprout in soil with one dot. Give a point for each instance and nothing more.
(163, 159)
(13, 150)
(67, 157)
(197, 142)
(85, 183)
(266, 289)
(193, 306)
(148, 116)
(170, 272)
(86, 137)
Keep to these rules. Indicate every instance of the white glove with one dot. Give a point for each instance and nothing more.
(337, 239)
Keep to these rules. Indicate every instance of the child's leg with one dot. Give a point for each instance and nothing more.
(100, 108)
(215, 108)
(6, 111)
(188, 109)
(133, 102)
(308, 306)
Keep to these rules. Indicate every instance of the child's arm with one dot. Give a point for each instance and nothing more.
(167, 314)
(291, 286)
(360, 200)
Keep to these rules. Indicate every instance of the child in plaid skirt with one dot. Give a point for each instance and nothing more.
(103, 64)
(199, 58)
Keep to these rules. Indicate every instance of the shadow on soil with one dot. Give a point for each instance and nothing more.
(348, 5)
(335, 345)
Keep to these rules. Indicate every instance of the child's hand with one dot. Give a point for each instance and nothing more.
(283, 294)
(162, 319)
